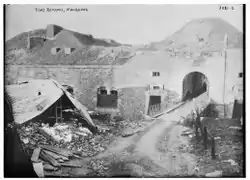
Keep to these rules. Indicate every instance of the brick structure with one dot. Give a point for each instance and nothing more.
(52, 30)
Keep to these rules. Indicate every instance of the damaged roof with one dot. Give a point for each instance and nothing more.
(31, 98)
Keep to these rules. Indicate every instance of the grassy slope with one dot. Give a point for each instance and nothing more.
(211, 30)
(93, 52)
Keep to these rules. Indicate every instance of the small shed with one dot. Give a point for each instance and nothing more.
(44, 99)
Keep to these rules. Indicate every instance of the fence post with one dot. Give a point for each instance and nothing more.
(205, 137)
(213, 149)
(196, 133)
(194, 119)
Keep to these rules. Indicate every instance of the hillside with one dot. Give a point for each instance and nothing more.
(87, 49)
(205, 34)
(198, 35)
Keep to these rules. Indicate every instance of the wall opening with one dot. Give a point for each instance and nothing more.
(105, 100)
(193, 85)
(154, 74)
(153, 100)
(156, 87)
(237, 110)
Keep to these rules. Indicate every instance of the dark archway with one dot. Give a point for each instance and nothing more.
(193, 85)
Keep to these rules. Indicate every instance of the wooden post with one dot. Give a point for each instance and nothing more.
(194, 119)
(35, 155)
(150, 111)
(61, 110)
(196, 133)
(225, 71)
(205, 137)
(213, 149)
(56, 112)
(198, 120)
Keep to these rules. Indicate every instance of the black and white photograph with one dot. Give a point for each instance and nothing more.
(124, 90)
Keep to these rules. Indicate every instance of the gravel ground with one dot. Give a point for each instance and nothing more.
(228, 146)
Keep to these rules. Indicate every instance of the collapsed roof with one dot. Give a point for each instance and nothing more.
(31, 98)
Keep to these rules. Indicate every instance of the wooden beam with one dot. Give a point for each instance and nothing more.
(35, 155)
(54, 155)
(49, 159)
(49, 167)
(58, 151)
(70, 165)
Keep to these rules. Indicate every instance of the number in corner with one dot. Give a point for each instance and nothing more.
(226, 7)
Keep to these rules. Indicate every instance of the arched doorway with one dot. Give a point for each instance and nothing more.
(193, 85)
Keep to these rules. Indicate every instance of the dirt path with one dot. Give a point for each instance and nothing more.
(173, 153)
(162, 144)
(159, 151)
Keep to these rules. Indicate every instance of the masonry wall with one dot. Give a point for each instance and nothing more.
(36, 41)
(132, 103)
(173, 70)
(85, 79)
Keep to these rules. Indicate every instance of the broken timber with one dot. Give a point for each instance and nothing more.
(70, 165)
(64, 152)
(54, 155)
(52, 149)
(49, 159)
(49, 137)
(56, 174)
(35, 155)
(60, 160)
(49, 167)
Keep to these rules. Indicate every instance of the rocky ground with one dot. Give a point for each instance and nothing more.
(158, 148)
(229, 148)
(152, 152)
(165, 150)
(74, 137)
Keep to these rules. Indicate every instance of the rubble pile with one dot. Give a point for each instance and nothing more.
(99, 167)
(61, 135)
(129, 128)
(53, 158)
(131, 124)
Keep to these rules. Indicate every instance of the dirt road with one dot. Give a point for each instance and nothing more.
(164, 145)
(159, 151)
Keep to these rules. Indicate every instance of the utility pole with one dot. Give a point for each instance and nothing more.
(225, 70)
(28, 41)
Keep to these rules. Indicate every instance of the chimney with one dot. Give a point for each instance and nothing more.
(28, 41)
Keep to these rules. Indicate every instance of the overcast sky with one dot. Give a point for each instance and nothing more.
(132, 24)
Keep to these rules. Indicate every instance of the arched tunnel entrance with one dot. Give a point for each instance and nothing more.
(194, 84)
